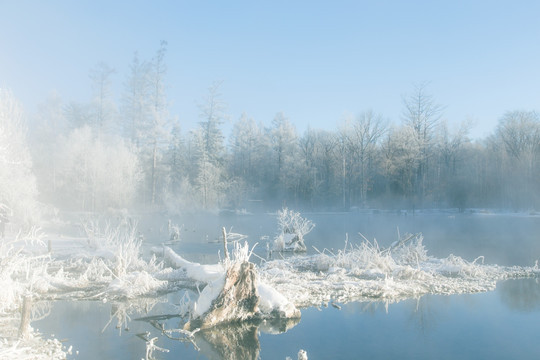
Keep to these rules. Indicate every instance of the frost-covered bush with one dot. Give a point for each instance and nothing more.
(120, 243)
(18, 189)
(118, 252)
(20, 272)
(367, 272)
(96, 172)
(292, 228)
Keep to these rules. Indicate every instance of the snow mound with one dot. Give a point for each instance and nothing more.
(366, 273)
(34, 348)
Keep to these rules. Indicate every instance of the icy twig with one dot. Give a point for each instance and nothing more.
(151, 347)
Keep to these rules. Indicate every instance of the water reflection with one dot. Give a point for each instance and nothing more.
(228, 341)
(108, 330)
(224, 342)
(100, 330)
(521, 294)
(424, 315)
(239, 341)
(422, 312)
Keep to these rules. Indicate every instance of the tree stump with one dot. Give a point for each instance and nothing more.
(238, 301)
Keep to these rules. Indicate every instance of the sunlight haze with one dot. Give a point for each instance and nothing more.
(315, 61)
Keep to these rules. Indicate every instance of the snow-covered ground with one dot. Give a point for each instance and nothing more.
(365, 272)
(107, 265)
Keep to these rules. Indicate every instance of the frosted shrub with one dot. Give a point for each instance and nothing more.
(411, 254)
(20, 273)
(11, 265)
(117, 262)
(240, 253)
(292, 228)
(121, 244)
(366, 272)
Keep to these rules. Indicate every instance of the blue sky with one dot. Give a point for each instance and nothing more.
(315, 61)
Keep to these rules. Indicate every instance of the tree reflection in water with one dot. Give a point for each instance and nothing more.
(521, 294)
(237, 340)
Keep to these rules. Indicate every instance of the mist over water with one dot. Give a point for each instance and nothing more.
(467, 326)
(124, 193)
(502, 238)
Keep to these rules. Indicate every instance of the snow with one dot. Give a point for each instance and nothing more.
(292, 229)
(111, 268)
(208, 295)
(302, 355)
(34, 348)
(272, 300)
(367, 273)
(195, 271)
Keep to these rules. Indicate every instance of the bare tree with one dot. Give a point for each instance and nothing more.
(449, 176)
(362, 135)
(519, 135)
(422, 114)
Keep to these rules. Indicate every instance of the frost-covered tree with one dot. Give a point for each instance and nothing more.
(135, 101)
(402, 154)
(209, 152)
(97, 172)
(362, 135)
(309, 166)
(518, 135)
(248, 149)
(208, 180)
(422, 114)
(153, 133)
(284, 147)
(212, 115)
(50, 124)
(327, 166)
(78, 115)
(450, 179)
(176, 159)
(104, 109)
(18, 189)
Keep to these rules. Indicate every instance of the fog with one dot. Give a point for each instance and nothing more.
(121, 198)
(110, 159)
(102, 155)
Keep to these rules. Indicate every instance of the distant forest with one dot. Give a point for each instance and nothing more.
(105, 154)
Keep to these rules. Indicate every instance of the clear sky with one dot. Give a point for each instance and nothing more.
(313, 60)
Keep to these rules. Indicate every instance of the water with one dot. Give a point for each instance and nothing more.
(497, 325)
(504, 239)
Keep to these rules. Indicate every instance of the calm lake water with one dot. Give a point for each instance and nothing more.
(502, 324)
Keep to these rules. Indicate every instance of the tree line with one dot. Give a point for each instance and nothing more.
(106, 154)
